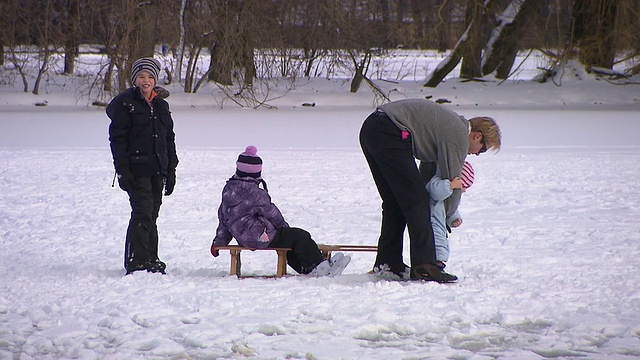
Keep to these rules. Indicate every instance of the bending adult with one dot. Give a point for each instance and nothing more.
(391, 138)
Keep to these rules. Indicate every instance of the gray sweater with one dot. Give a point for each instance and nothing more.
(438, 135)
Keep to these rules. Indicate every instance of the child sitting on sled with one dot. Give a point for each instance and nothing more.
(440, 189)
(247, 214)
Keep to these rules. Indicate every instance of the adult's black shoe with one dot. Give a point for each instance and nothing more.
(431, 272)
(397, 271)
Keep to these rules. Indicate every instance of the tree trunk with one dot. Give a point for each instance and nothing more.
(443, 26)
(356, 82)
(248, 64)
(361, 69)
(310, 56)
(71, 39)
(594, 31)
(472, 50)
(70, 54)
(143, 42)
(108, 78)
(448, 64)
(504, 43)
(188, 76)
(43, 69)
(417, 13)
(506, 63)
(16, 62)
(384, 32)
(180, 55)
(245, 56)
(122, 80)
(221, 62)
(222, 57)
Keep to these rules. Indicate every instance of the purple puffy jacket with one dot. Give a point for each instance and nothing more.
(246, 214)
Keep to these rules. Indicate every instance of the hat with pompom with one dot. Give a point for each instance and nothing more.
(249, 163)
(150, 65)
(467, 175)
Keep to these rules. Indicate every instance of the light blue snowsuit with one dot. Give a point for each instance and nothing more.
(440, 189)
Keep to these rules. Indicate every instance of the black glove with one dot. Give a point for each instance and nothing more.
(170, 182)
(125, 178)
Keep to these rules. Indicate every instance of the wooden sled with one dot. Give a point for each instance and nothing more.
(281, 267)
(326, 250)
(236, 262)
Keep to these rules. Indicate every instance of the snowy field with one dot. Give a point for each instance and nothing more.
(548, 255)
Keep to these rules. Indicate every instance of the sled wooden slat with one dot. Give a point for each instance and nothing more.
(326, 250)
(281, 269)
(236, 262)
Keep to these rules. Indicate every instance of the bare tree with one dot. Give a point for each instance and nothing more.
(116, 25)
(628, 28)
(180, 47)
(251, 42)
(145, 14)
(72, 35)
(46, 36)
(600, 32)
(442, 29)
(505, 40)
(305, 25)
(3, 33)
(476, 18)
(12, 36)
(500, 48)
(593, 31)
(237, 28)
(467, 45)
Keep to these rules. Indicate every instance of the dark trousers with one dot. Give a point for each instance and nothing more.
(405, 201)
(142, 234)
(304, 255)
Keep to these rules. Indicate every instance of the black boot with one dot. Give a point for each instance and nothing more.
(155, 266)
(152, 266)
(431, 272)
(134, 266)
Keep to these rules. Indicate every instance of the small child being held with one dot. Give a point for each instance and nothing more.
(247, 214)
(440, 189)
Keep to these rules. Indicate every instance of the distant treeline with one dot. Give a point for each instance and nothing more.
(485, 35)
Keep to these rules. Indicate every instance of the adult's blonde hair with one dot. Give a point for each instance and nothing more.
(489, 129)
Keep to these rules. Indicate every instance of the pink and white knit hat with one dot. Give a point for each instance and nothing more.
(249, 163)
(467, 175)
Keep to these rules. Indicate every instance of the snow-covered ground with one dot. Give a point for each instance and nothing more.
(548, 255)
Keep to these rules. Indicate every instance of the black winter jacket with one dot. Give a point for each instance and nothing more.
(141, 135)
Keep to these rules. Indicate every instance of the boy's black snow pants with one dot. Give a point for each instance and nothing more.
(142, 234)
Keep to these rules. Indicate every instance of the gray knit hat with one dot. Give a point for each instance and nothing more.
(150, 65)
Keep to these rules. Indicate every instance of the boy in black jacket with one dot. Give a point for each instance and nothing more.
(144, 154)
